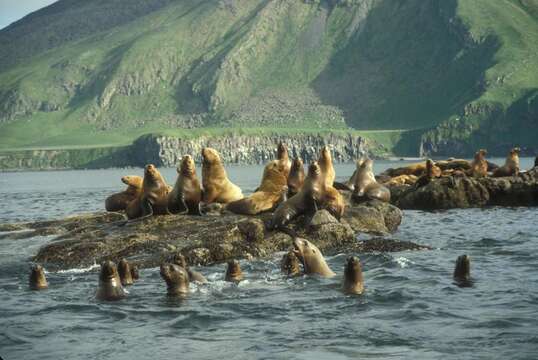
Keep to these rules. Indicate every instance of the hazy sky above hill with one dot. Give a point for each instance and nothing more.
(13, 10)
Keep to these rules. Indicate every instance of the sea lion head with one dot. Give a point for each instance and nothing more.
(353, 270)
(187, 166)
(484, 152)
(109, 271)
(282, 152)
(429, 164)
(210, 156)
(134, 272)
(180, 260)
(359, 162)
(367, 164)
(304, 249)
(462, 271)
(325, 154)
(132, 180)
(290, 264)
(314, 170)
(233, 272)
(296, 165)
(176, 278)
(124, 270)
(515, 151)
(37, 278)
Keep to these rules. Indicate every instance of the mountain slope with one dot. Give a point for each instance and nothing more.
(461, 71)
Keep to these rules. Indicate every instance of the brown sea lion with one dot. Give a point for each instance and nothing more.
(153, 200)
(416, 169)
(332, 201)
(366, 186)
(134, 272)
(305, 201)
(325, 162)
(119, 201)
(37, 279)
(349, 185)
(479, 165)
(176, 278)
(462, 271)
(272, 191)
(233, 272)
(180, 260)
(290, 264)
(511, 166)
(311, 258)
(353, 279)
(187, 192)
(296, 177)
(283, 158)
(110, 287)
(217, 187)
(124, 270)
(432, 172)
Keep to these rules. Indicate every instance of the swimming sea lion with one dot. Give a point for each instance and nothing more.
(283, 158)
(479, 165)
(312, 259)
(124, 270)
(290, 264)
(511, 166)
(176, 278)
(153, 200)
(110, 287)
(272, 191)
(296, 177)
(305, 201)
(119, 201)
(37, 279)
(217, 187)
(462, 271)
(353, 279)
(134, 272)
(180, 260)
(233, 272)
(187, 192)
(366, 186)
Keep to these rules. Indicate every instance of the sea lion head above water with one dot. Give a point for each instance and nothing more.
(176, 278)
(233, 272)
(311, 257)
(353, 279)
(124, 270)
(110, 287)
(37, 279)
(462, 271)
(180, 260)
(290, 264)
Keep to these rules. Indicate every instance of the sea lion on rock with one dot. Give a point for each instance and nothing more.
(180, 260)
(38, 280)
(124, 270)
(233, 272)
(187, 192)
(511, 166)
(353, 279)
(110, 288)
(272, 191)
(462, 271)
(330, 198)
(325, 162)
(153, 200)
(283, 158)
(349, 185)
(402, 180)
(479, 165)
(311, 258)
(119, 201)
(296, 177)
(217, 187)
(432, 172)
(366, 186)
(176, 278)
(290, 264)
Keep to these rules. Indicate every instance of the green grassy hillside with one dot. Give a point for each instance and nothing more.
(106, 72)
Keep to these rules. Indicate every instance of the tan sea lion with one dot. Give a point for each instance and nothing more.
(124, 270)
(110, 288)
(416, 169)
(511, 166)
(217, 187)
(187, 192)
(296, 177)
(311, 258)
(176, 278)
(332, 201)
(479, 165)
(366, 186)
(353, 279)
(119, 201)
(349, 185)
(402, 180)
(180, 260)
(432, 172)
(305, 201)
(462, 271)
(38, 280)
(290, 264)
(272, 191)
(325, 162)
(233, 272)
(153, 200)
(283, 158)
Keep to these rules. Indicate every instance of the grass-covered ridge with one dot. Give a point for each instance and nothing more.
(107, 72)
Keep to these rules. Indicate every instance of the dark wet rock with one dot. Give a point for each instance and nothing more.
(384, 245)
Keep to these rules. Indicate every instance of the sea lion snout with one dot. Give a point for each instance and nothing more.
(108, 270)
(37, 278)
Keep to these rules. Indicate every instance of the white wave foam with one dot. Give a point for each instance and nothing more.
(403, 262)
(78, 270)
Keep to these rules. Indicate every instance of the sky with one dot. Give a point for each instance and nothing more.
(13, 10)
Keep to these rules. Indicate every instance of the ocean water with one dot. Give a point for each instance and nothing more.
(411, 308)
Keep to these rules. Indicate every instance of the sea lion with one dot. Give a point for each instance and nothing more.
(124, 270)
(325, 162)
(290, 264)
(305, 201)
(479, 165)
(110, 287)
(511, 165)
(353, 279)
(176, 278)
(349, 185)
(462, 271)
(153, 200)
(187, 192)
(311, 258)
(402, 180)
(332, 201)
(217, 187)
(233, 272)
(180, 260)
(119, 201)
(283, 158)
(366, 186)
(38, 280)
(134, 272)
(272, 191)
(296, 177)
(432, 172)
